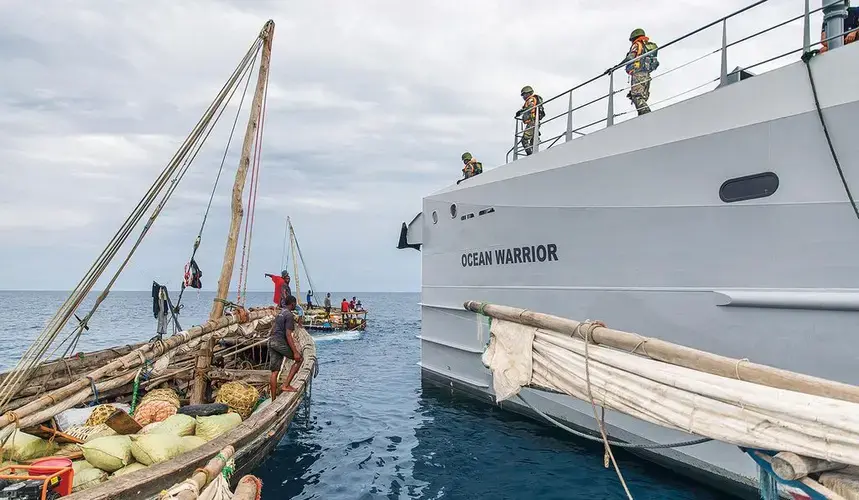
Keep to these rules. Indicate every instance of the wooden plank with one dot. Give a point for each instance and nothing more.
(122, 423)
(249, 376)
(46, 432)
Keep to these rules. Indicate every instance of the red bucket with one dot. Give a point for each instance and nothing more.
(49, 466)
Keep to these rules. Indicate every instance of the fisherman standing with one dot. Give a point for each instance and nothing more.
(528, 114)
(281, 287)
(282, 345)
(639, 69)
(471, 167)
(328, 304)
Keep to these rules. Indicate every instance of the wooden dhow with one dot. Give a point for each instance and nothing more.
(193, 365)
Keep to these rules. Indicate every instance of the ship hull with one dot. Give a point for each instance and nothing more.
(633, 226)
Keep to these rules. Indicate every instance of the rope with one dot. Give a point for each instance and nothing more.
(617, 444)
(220, 170)
(608, 453)
(806, 58)
(94, 391)
(252, 197)
(36, 351)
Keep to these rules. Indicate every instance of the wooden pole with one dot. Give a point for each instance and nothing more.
(675, 354)
(791, 466)
(204, 360)
(204, 476)
(241, 174)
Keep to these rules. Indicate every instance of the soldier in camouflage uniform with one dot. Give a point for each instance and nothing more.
(639, 71)
(528, 114)
(471, 167)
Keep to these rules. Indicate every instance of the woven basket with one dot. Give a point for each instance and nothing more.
(240, 396)
(87, 432)
(100, 414)
(161, 395)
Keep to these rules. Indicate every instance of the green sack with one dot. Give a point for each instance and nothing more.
(109, 453)
(22, 446)
(151, 449)
(211, 427)
(128, 469)
(177, 425)
(188, 443)
(88, 478)
(80, 465)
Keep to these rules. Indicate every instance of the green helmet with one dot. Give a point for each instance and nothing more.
(466, 156)
(527, 90)
(637, 32)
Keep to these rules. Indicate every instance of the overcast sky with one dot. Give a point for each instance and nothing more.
(371, 104)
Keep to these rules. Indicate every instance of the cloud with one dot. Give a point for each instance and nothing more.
(370, 105)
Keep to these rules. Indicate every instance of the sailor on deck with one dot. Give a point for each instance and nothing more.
(851, 25)
(282, 345)
(639, 70)
(528, 114)
(281, 287)
(471, 167)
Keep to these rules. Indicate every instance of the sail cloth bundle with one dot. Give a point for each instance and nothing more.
(725, 408)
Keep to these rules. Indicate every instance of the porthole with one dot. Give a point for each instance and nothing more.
(749, 187)
(453, 210)
(434, 217)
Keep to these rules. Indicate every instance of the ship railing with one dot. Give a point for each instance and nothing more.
(589, 109)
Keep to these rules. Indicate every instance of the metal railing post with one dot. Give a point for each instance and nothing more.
(535, 139)
(609, 120)
(834, 12)
(723, 76)
(806, 28)
(569, 134)
(515, 140)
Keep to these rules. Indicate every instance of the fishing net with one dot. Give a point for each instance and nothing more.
(240, 396)
(100, 414)
(168, 395)
(154, 411)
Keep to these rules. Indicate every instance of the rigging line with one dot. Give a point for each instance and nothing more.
(198, 145)
(249, 73)
(283, 249)
(37, 349)
(806, 58)
(304, 265)
(258, 159)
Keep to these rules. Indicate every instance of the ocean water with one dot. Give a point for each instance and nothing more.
(371, 430)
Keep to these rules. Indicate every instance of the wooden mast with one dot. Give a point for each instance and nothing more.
(294, 259)
(204, 358)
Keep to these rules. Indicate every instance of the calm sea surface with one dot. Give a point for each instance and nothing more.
(371, 431)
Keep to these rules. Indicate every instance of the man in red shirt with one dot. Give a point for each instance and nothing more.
(281, 287)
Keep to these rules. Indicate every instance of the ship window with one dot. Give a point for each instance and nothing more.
(453, 210)
(434, 217)
(749, 187)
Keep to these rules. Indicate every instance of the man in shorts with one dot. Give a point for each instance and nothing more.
(281, 345)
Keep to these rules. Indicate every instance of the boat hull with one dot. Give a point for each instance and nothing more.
(630, 226)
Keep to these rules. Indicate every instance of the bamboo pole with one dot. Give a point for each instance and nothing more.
(204, 360)
(248, 488)
(811, 483)
(791, 466)
(129, 361)
(204, 476)
(675, 354)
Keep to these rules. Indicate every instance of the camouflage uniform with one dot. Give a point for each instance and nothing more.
(528, 114)
(639, 73)
(471, 167)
